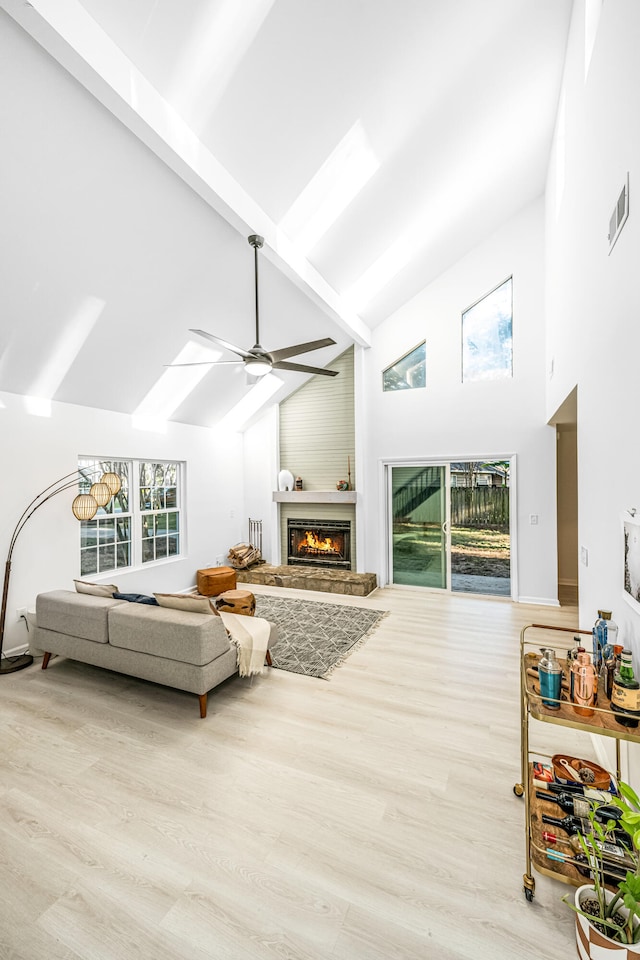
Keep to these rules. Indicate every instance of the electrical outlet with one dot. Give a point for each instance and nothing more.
(21, 612)
(584, 556)
(232, 514)
(533, 519)
(219, 560)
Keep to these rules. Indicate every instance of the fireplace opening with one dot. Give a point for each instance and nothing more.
(320, 543)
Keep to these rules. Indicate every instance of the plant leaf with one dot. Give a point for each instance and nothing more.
(629, 794)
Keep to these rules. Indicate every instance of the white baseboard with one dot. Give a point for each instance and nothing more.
(16, 651)
(540, 601)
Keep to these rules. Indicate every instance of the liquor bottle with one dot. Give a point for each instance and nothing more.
(579, 825)
(607, 671)
(612, 629)
(572, 657)
(601, 796)
(626, 665)
(604, 631)
(579, 806)
(585, 866)
(550, 677)
(625, 697)
(585, 685)
(611, 852)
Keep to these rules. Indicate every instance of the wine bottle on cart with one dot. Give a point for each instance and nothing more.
(579, 825)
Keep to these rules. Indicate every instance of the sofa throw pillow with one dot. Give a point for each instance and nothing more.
(136, 598)
(96, 589)
(185, 601)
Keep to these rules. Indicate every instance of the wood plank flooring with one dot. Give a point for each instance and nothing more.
(368, 817)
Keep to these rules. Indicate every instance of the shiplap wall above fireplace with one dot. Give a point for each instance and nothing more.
(317, 432)
(317, 442)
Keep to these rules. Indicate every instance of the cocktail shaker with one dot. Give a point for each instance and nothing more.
(550, 674)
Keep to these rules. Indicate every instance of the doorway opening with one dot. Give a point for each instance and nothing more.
(565, 421)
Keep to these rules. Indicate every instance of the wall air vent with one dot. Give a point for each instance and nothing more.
(619, 215)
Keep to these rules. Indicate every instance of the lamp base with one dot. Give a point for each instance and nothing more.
(11, 664)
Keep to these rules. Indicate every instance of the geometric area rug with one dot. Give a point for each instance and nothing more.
(314, 638)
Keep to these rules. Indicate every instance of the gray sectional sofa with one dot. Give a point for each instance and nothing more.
(188, 651)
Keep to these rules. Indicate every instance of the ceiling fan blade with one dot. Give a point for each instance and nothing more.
(204, 363)
(300, 348)
(303, 368)
(223, 343)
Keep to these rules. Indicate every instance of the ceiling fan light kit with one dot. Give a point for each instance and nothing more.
(257, 366)
(258, 361)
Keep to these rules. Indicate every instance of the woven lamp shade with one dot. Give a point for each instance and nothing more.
(112, 480)
(101, 493)
(84, 507)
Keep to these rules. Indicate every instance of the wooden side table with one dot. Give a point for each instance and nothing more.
(240, 602)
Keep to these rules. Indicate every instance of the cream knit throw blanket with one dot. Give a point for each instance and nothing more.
(251, 636)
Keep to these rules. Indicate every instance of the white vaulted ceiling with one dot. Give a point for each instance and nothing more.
(372, 143)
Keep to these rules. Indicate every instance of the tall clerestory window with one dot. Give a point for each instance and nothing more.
(487, 336)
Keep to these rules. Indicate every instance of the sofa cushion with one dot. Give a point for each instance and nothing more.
(164, 632)
(75, 614)
(96, 589)
(186, 601)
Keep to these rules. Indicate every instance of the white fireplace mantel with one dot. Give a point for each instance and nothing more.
(315, 496)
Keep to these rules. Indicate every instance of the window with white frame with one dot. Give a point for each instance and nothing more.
(140, 524)
(487, 336)
(407, 373)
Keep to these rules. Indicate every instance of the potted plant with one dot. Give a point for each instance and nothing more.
(607, 919)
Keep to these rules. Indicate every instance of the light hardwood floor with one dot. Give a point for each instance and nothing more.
(368, 817)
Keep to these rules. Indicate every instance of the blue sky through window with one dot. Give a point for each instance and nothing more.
(487, 341)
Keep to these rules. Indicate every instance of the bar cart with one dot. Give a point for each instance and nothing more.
(533, 638)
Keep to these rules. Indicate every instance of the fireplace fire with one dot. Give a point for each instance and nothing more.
(320, 543)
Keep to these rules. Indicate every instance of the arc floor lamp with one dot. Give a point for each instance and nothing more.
(84, 507)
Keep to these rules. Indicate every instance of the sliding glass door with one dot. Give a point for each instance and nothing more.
(480, 527)
(418, 536)
(449, 526)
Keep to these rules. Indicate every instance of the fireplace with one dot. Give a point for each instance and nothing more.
(319, 543)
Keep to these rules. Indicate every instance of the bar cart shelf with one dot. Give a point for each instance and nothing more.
(533, 638)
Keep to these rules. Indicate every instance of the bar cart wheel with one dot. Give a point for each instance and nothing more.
(529, 887)
(518, 789)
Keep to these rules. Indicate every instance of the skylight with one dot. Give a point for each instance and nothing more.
(175, 384)
(69, 344)
(338, 181)
(220, 39)
(257, 397)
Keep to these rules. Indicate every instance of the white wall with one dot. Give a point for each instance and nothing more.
(450, 419)
(260, 453)
(36, 451)
(593, 299)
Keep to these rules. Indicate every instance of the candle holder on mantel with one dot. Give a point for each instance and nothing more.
(345, 484)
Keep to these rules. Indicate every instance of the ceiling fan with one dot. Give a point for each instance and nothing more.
(258, 361)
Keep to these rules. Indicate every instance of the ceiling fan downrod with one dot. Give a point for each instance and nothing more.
(256, 242)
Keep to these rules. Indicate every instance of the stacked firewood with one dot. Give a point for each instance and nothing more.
(243, 555)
